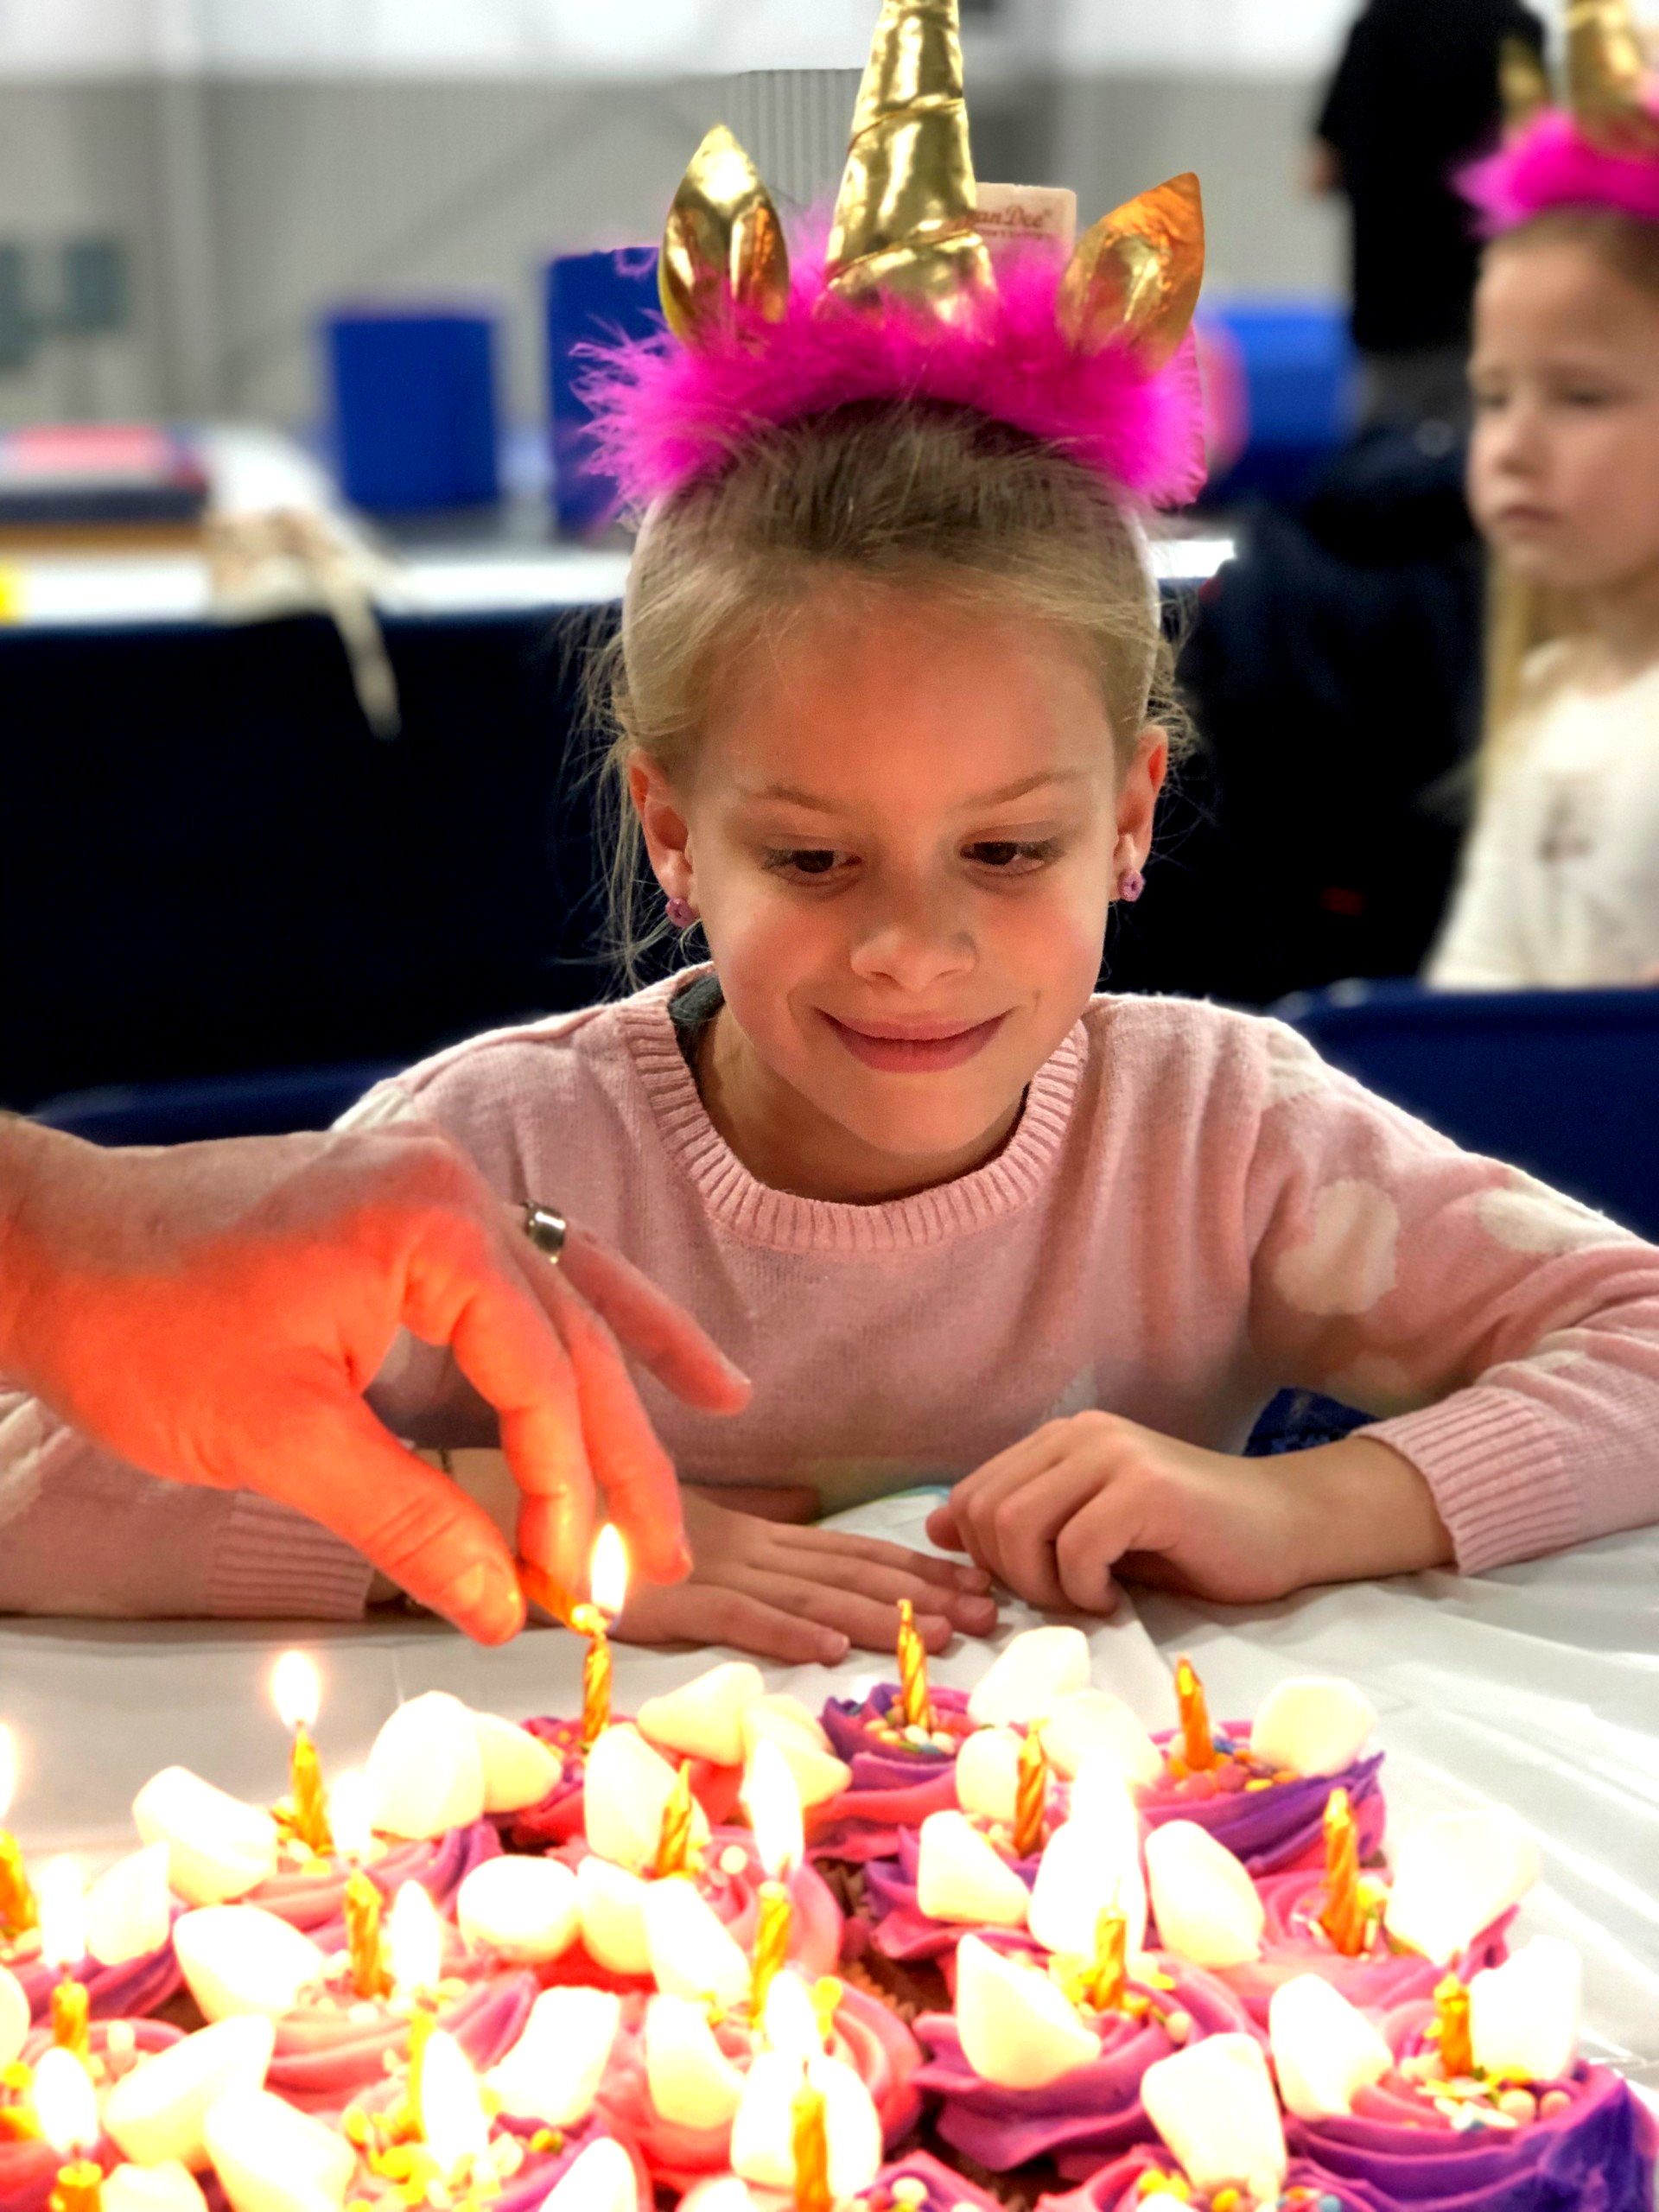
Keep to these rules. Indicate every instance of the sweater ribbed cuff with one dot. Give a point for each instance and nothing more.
(1498, 1473)
(272, 1562)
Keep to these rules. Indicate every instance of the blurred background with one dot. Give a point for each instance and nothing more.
(297, 571)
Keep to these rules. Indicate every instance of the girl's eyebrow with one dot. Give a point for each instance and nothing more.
(793, 795)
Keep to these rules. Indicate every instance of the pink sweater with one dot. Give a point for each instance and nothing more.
(1193, 1212)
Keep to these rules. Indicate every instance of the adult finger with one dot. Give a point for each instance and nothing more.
(417, 1527)
(459, 1292)
(702, 1612)
(641, 1488)
(660, 1334)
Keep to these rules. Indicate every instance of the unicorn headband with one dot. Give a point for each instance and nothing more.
(1600, 149)
(1093, 356)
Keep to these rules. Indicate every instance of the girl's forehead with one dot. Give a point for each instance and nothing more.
(1551, 289)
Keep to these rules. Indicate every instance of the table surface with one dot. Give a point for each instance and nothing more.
(1535, 1687)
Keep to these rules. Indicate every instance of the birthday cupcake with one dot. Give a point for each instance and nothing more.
(1474, 2099)
(111, 2051)
(1152, 2176)
(1042, 2064)
(916, 2182)
(116, 1942)
(674, 2081)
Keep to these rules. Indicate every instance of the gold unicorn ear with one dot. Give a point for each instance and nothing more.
(1606, 69)
(904, 221)
(722, 245)
(1136, 273)
(1523, 82)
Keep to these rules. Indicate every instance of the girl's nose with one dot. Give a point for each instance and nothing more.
(914, 942)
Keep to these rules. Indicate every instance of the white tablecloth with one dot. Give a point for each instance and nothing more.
(1537, 1687)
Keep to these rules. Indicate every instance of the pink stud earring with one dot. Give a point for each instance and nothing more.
(1130, 885)
(681, 913)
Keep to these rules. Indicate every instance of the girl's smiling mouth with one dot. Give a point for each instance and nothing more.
(914, 1048)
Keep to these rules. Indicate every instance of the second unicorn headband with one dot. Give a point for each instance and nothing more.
(1600, 149)
(1093, 357)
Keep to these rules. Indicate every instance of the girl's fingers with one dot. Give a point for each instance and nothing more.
(972, 1610)
(1025, 1521)
(706, 1613)
(923, 1566)
(870, 1623)
(1088, 1549)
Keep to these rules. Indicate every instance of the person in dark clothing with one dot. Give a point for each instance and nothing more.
(1416, 92)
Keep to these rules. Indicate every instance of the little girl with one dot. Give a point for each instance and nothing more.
(1560, 880)
(890, 721)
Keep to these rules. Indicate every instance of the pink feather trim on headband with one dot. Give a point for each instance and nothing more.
(665, 413)
(1552, 164)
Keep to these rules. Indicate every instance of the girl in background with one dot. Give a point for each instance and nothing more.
(1559, 884)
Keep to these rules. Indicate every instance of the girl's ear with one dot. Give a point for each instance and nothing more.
(663, 827)
(1138, 787)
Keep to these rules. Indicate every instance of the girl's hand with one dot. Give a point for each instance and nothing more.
(1055, 1515)
(763, 1583)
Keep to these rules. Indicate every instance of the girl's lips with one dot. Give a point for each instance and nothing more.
(913, 1054)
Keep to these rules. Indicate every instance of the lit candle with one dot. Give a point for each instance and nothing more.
(913, 1699)
(608, 1581)
(1030, 1794)
(1198, 1745)
(63, 1945)
(294, 1686)
(451, 2111)
(775, 1813)
(674, 1847)
(17, 1908)
(1344, 1917)
(1106, 1978)
(417, 1944)
(67, 2108)
(348, 1808)
(1451, 2019)
(810, 2138)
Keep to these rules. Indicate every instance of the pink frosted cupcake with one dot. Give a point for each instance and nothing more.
(558, 1819)
(1486, 2142)
(1149, 2176)
(901, 1772)
(916, 2183)
(864, 2034)
(309, 1889)
(1027, 2074)
(28, 2165)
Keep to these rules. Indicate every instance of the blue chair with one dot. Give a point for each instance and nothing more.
(1560, 1083)
(1298, 364)
(270, 1103)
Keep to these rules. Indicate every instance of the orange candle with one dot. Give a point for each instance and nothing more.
(78, 2186)
(674, 1844)
(1031, 1795)
(1106, 1980)
(18, 1911)
(913, 1699)
(809, 2141)
(362, 1902)
(771, 1943)
(71, 2007)
(421, 2022)
(608, 1577)
(1452, 2012)
(1344, 1917)
(310, 1810)
(1198, 1745)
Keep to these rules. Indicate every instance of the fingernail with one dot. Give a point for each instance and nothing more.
(489, 1604)
(973, 1578)
(977, 1612)
(836, 1648)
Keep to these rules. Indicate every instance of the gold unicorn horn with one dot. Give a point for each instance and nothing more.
(723, 246)
(1606, 71)
(1523, 82)
(1136, 272)
(904, 222)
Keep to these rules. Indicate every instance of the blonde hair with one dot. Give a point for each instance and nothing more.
(1522, 616)
(895, 494)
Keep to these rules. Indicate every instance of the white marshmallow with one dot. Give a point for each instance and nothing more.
(1524, 2015)
(626, 1790)
(1214, 2106)
(425, 1773)
(238, 1958)
(693, 1954)
(1454, 1876)
(1205, 1905)
(704, 1717)
(519, 1769)
(1324, 2049)
(129, 1910)
(693, 2083)
(217, 1846)
(1017, 2029)
(987, 1774)
(1094, 1721)
(1030, 1675)
(155, 2114)
(553, 2072)
(1314, 1724)
(960, 1878)
(612, 1904)
(524, 1909)
(270, 2157)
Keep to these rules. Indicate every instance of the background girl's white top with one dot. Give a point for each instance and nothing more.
(1559, 885)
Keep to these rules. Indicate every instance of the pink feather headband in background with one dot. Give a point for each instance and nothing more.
(1552, 161)
(665, 413)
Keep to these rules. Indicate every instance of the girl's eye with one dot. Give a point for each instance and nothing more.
(1587, 396)
(1008, 856)
(816, 861)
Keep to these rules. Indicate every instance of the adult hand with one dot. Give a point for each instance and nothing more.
(213, 1312)
(763, 1583)
(1056, 1515)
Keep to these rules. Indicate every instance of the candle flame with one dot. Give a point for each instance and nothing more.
(61, 1894)
(607, 1576)
(415, 1939)
(65, 2103)
(348, 1815)
(791, 2022)
(452, 2111)
(8, 1769)
(774, 1804)
(294, 1686)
